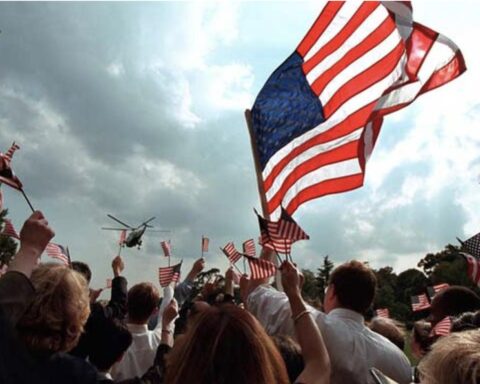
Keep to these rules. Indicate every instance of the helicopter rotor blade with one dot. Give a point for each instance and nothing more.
(145, 223)
(113, 229)
(158, 230)
(118, 221)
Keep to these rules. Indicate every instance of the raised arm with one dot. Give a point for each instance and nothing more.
(184, 289)
(315, 355)
(117, 306)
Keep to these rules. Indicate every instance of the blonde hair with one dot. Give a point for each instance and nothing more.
(453, 359)
(59, 309)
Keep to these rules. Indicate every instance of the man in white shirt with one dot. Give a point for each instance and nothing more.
(352, 347)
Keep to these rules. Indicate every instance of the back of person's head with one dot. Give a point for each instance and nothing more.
(466, 321)
(354, 284)
(143, 300)
(388, 329)
(225, 344)
(421, 339)
(82, 268)
(58, 311)
(109, 343)
(453, 301)
(291, 355)
(453, 359)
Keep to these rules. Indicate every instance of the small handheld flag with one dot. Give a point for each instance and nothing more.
(442, 328)
(432, 291)
(167, 275)
(205, 242)
(166, 247)
(260, 268)
(57, 251)
(232, 254)
(420, 302)
(382, 312)
(249, 248)
(471, 252)
(9, 230)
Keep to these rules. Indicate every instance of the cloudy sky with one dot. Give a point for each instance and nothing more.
(136, 109)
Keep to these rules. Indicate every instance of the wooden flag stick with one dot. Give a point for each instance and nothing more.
(238, 269)
(27, 200)
(69, 259)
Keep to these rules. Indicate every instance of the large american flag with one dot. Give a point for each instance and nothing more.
(7, 175)
(166, 246)
(57, 251)
(9, 230)
(249, 248)
(471, 252)
(260, 268)
(231, 252)
(317, 118)
(167, 275)
(420, 302)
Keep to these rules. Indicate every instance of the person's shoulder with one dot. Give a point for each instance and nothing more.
(70, 369)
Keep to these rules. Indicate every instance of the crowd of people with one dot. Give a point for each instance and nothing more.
(53, 329)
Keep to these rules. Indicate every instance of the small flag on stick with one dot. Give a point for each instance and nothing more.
(166, 246)
(249, 248)
(420, 302)
(382, 312)
(57, 251)
(260, 268)
(205, 242)
(7, 175)
(432, 291)
(442, 328)
(123, 237)
(167, 275)
(232, 254)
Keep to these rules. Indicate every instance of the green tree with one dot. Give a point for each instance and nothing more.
(8, 247)
(310, 289)
(431, 260)
(323, 275)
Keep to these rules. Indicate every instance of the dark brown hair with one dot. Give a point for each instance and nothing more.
(225, 344)
(143, 299)
(354, 285)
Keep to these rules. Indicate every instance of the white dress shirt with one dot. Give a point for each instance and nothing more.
(353, 348)
(140, 355)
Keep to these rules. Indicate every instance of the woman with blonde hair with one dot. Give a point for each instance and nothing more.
(453, 359)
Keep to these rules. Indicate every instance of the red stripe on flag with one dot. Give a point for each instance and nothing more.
(323, 20)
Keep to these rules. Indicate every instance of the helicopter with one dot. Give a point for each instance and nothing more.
(134, 238)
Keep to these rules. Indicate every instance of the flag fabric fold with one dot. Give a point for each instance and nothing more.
(168, 275)
(442, 328)
(232, 254)
(471, 251)
(316, 120)
(205, 243)
(248, 247)
(382, 312)
(123, 237)
(57, 251)
(420, 302)
(260, 268)
(166, 246)
(7, 175)
(432, 291)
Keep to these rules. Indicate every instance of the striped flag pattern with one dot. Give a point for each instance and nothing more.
(205, 242)
(420, 302)
(7, 175)
(123, 237)
(432, 291)
(249, 248)
(9, 230)
(442, 328)
(167, 275)
(232, 254)
(166, 246)
(57, 251)
(382, 312)
(316, 120)
(260, 268)
(471, 252)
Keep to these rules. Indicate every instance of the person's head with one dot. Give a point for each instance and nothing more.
(421, 340)
(466, 321)
(453, 359)
(82, 268)
(58, 311)
(291, 355)
(352, 286)
(388, 329)
(453, 301)
(143, 301)
(225, 344)
(109, 343)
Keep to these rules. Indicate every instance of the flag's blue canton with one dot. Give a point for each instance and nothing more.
(285, 108)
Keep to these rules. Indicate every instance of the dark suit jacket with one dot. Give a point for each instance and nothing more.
(115, 309)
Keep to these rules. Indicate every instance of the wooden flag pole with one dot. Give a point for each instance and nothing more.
(27, 200)
(256, 161)
(69, 259)
(268, 253)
